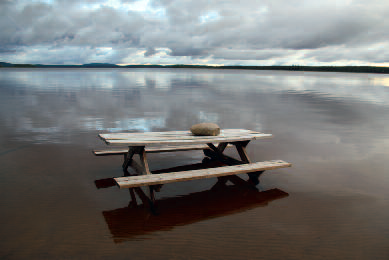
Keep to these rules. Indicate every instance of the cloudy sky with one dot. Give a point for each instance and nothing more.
(224, 32)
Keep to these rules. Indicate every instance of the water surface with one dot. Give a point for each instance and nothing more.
(332, 204)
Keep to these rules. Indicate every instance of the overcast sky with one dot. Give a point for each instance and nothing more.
(225, 32)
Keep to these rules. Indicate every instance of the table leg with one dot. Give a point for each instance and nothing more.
(222, 146)
(142, 168)
(133, 202)
(241, 148)
(146, 200)
(143, 160)
(128, 157)
(217, 154)
(254, 177)
(218, 150)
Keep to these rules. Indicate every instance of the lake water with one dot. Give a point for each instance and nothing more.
(332, 204)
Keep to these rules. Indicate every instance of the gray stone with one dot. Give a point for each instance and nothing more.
(208, 129)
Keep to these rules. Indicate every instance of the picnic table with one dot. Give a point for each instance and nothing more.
(172, 141)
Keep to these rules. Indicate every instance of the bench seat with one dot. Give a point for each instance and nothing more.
(154, 179)
(156, 149)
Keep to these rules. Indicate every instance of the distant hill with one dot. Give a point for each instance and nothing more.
(89, 65)
(353, 69)
(100, 65)
(6, 64)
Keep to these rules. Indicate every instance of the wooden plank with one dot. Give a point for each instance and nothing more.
(110, 152)
(191, 140)
(179, 137)
(176, 138)
(156, 149)
(171, 133)
(136, 181)
(184, 136)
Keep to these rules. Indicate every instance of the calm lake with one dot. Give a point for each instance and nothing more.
(332, 204)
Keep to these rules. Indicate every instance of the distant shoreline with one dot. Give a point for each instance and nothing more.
(349, 69)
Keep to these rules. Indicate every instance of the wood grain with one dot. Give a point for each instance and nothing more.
(161, 149)
(136, 181)
(179, 138)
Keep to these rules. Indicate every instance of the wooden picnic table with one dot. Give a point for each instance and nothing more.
(213, 147)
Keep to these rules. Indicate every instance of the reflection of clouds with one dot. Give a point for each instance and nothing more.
(37, 134)
(319, 108)
(163, 82)
(131, 124)
(208, 117)
(55, 79)
(357, 87)
(52, 134)
(381, 81)
(91, 123)
(26, 125)
(320, 127)
(140, 80)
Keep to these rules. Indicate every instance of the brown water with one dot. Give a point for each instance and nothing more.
(332, 204)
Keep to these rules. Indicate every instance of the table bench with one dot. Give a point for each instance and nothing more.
(172, 141)
(154, 179)
(163, 149)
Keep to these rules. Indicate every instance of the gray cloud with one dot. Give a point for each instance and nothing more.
(150, 52)
(222, 30)
(228, 54)
(376, 54)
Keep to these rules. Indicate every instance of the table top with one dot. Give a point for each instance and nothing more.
(179, 137)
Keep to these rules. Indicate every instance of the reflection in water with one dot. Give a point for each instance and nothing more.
(229, 195)
(136, 220)
(57, 105)
(331, 126)
(133, 124)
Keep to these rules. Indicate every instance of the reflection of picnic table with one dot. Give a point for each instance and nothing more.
(154, 142)
(221, 200)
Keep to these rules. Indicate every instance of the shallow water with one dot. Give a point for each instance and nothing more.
(332, 204)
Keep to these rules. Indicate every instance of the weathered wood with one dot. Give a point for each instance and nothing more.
(137, 168)
(222, 146)
(158, 149)
(142, 196)
(171, 133)
(197, 140)
(143, 160)
(145, 164)
(215, 149)
(110, 152)
(180, 138)
(128, 157)
(242, 152)
(145, 180)
(225, 158)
